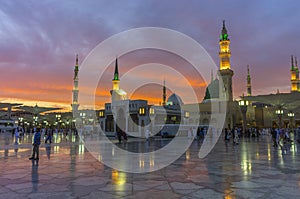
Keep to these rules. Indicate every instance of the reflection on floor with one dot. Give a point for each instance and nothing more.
(252, 169)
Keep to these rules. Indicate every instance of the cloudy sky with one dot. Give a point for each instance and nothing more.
(39, 41)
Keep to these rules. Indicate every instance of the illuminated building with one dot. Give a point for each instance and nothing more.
(222, 89)
(225, 72)
(133, 116)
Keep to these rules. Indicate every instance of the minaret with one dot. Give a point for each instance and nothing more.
(164, 94)
(225, 72)
(75, 90)
(294, 79)
(249, 93)
(116, 80)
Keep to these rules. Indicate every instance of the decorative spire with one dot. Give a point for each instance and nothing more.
(224, 31)
(116, 74)
(76, 67)
(224, 34)
(164, 93)
(292, 62)
(249, 92)
(76, 60)
(296, 64)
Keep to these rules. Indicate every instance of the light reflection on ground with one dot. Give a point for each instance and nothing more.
(252, 169)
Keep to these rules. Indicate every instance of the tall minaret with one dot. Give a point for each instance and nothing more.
(75, 90)
(249, 93)
(164, 94)
(294, 79)
(225, 72)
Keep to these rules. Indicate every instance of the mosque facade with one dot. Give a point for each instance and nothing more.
(135, 116)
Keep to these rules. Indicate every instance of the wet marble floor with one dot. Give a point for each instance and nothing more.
(252, 169)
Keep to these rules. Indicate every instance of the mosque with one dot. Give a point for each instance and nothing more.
(135, 116)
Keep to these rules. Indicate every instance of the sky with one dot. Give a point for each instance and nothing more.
(39, 41)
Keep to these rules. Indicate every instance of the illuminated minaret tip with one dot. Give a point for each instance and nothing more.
(249, 92)
(116, 74)
(75, 90)
(224, 53)
(164, 93)
(116, 80)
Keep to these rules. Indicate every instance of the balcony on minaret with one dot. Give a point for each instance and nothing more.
(293, 76)
(116, 85)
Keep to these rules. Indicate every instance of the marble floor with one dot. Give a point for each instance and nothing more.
(66, 169)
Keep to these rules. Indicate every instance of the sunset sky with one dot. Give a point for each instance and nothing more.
(39, 41)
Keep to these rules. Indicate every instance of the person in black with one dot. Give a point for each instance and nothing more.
(49, 135)
(226, 138)
(120, 134)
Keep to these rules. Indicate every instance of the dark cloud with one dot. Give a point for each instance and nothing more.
(39, 39)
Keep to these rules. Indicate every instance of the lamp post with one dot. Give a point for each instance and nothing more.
(21, 121)
(67, 124)
(291, 115)
(243, 105)
(279, 113)
(35, 119)
(82, 115)
(58, 116)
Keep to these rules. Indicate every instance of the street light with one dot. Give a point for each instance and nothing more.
(279, 112)
(291, 116)
(58, 116)
(35, 119)
(244, 105)
(82, 115)
(68, 123)
(21, 120)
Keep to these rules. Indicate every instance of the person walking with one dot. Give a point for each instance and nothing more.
(236, 136)
(16, 136)
(36, 145)
(227, 136)
(49, 136)
(147, 134)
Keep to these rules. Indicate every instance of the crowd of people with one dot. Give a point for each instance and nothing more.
(282, 137)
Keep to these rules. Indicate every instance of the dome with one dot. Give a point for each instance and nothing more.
(174, 100)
